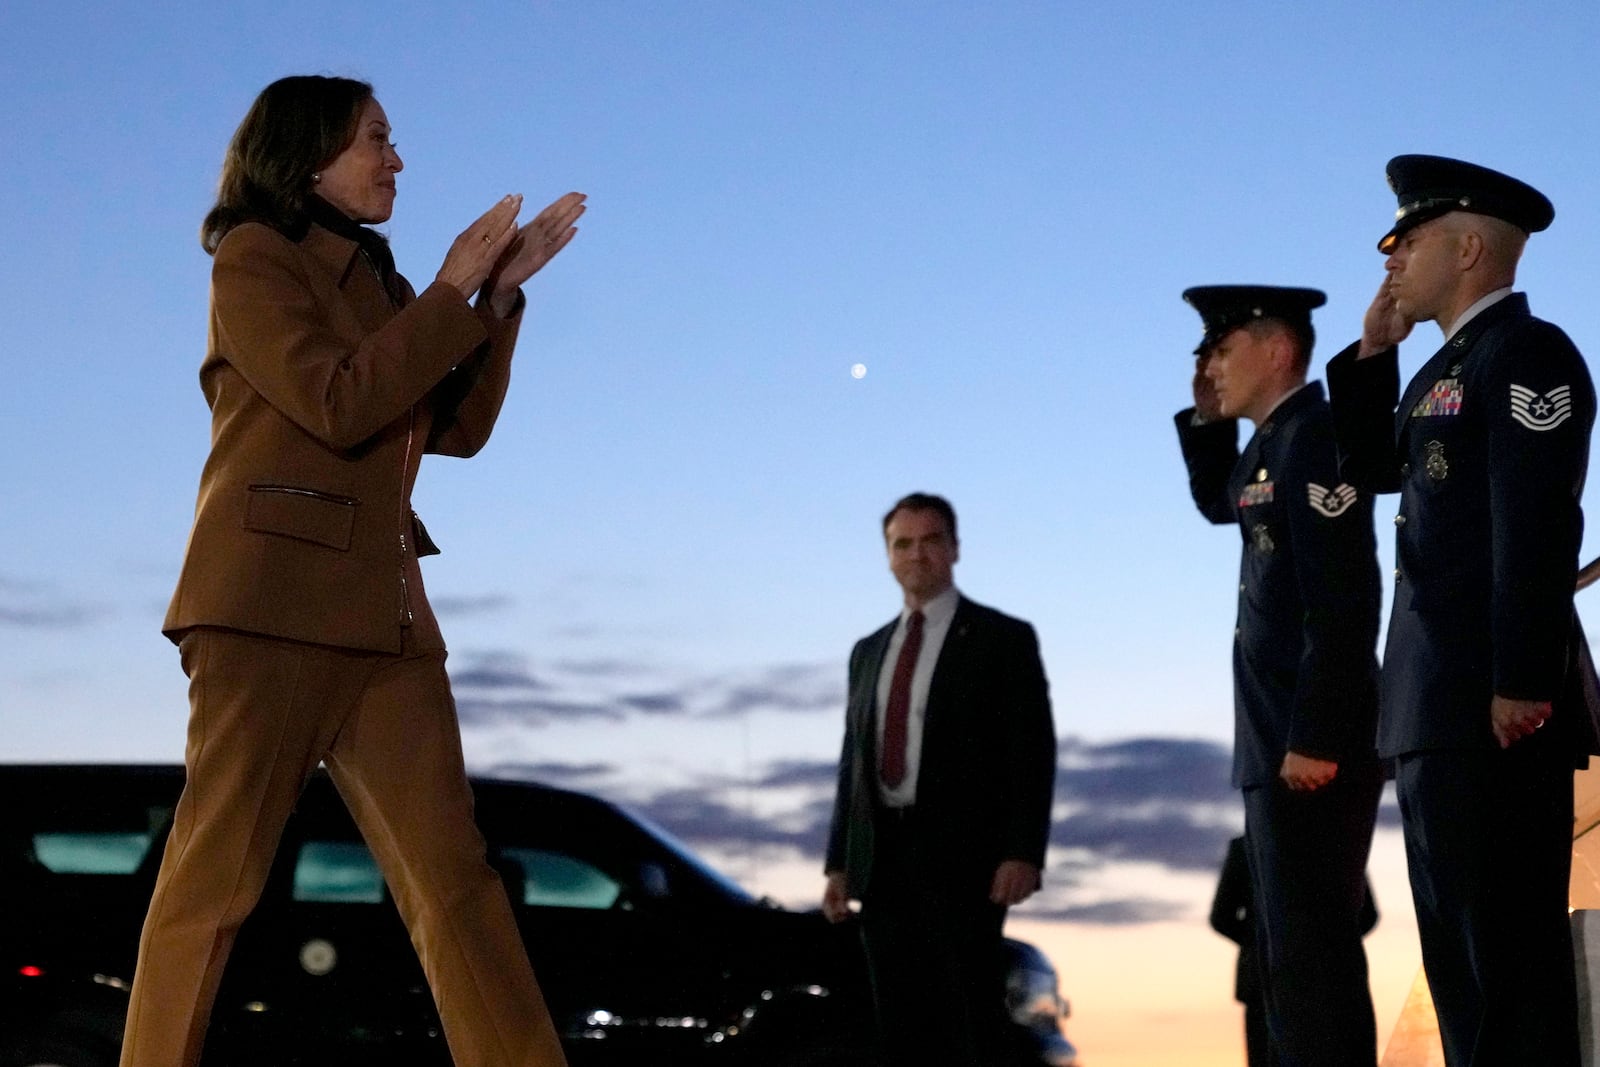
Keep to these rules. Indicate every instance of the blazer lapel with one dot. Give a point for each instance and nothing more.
(952, 657)
(864, 697)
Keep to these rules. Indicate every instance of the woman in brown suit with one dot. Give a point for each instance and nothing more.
(300, 614)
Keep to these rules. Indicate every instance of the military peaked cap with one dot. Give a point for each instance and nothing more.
(1430, 186)
(1224, 308)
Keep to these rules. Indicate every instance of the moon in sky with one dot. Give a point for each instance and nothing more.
(858, 370)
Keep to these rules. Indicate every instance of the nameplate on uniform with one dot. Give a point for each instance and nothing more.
(1541, 411)
(1255, 493)
(1443, 399)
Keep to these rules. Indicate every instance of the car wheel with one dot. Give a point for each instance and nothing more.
(53, 1051)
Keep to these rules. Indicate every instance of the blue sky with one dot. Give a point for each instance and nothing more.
(653, 574)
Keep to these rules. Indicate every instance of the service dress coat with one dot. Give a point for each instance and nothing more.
(1489, 449)
(326, 387)
(1305, 645)
(1305, 681)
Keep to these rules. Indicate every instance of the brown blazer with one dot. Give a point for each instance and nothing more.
(325, 390)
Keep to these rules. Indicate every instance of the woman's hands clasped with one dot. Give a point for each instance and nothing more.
(497, 256)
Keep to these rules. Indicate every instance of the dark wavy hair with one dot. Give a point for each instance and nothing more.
(296, 126)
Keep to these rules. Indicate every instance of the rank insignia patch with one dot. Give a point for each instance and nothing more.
(1330, 503)
(1255, 493)
(1443, 399)
(1541, 411)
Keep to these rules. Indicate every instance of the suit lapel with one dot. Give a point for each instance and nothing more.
(952, 657)
(864, 698)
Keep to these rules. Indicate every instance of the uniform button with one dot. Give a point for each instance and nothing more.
(1397, 575)
(1399, 520)
(1405, 469)
(1241, 587)
(1236, 631)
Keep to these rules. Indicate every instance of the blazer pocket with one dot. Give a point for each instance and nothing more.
(304, 514)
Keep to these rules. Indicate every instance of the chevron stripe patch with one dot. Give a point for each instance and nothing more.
(1330, 503)
(1541, 411)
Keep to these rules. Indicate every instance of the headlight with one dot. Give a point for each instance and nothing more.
(1032, 999)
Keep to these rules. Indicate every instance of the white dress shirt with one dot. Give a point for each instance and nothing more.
(936, 616)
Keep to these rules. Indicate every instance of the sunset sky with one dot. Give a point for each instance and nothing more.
(653, 574)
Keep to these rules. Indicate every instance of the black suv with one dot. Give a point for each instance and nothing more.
(645, 954)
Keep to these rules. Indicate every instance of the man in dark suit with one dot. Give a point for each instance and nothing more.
(1482, 697)
(1304, 664)
(943, 805)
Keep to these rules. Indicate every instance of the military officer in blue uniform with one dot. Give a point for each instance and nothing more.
(1304, 661)
(1481, 694)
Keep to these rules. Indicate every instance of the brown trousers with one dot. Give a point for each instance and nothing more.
(263, 714)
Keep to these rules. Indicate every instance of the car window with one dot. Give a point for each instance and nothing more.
(337, 872)
(344, 872)
(725, 886)
(556, 880)
(90, 852)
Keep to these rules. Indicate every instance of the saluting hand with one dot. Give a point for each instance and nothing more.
(1385, 325)
(1206, 404)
